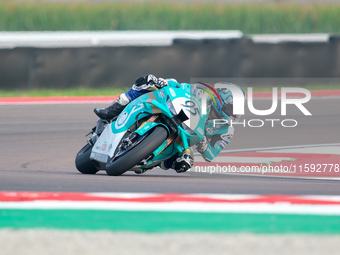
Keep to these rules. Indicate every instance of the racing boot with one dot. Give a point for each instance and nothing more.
(114, 109)
(167, 164)
(180, 164)
(184, 162)
(109, 112)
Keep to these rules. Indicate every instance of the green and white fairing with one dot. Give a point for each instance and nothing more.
(166, 103)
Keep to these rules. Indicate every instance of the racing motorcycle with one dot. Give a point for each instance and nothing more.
(152, 128)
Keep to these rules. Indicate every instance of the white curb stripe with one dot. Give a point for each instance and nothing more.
(277, 208)
(313, 150)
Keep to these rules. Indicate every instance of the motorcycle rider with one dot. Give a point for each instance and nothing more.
(216, 136)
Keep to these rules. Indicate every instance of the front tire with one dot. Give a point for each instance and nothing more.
(138, 153)
(83, 162)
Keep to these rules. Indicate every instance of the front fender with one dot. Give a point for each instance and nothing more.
(148, 126)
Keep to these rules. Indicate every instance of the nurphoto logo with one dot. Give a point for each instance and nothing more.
(239, 104)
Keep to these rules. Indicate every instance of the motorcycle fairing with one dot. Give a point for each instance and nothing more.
(106, 145)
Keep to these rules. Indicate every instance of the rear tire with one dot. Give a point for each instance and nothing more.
(83, 162)
(138, 153)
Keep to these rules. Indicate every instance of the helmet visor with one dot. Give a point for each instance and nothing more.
(229, 109)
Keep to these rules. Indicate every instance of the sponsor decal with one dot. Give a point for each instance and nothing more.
(199, 130)
(103, 147)
(210, 131)
(172, 92)
(121, 122)
(161, 93)
(193, 139)
(222, 144)
(122, 118)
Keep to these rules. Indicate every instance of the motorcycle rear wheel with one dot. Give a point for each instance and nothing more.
(83, 162)
(135, 155)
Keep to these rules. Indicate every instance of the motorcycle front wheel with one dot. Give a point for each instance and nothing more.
(83, 162)
(141, 151)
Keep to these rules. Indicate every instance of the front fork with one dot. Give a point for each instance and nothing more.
(97, 130)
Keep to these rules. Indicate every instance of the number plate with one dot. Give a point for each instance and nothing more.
(99, 157)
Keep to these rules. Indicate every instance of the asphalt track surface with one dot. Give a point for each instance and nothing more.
(39, 144)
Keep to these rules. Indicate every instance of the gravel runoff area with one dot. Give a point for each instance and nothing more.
(39, 241)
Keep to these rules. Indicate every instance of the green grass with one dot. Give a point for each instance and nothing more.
(169, 221)
(117, 91)
(251, 18)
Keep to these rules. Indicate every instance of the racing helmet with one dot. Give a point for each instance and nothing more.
(226, 110)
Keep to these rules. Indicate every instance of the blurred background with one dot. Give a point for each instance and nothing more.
(96, 44)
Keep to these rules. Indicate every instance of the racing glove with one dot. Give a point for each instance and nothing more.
(161, 83)
(202, 145)
(183, 163)
(148, 79)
